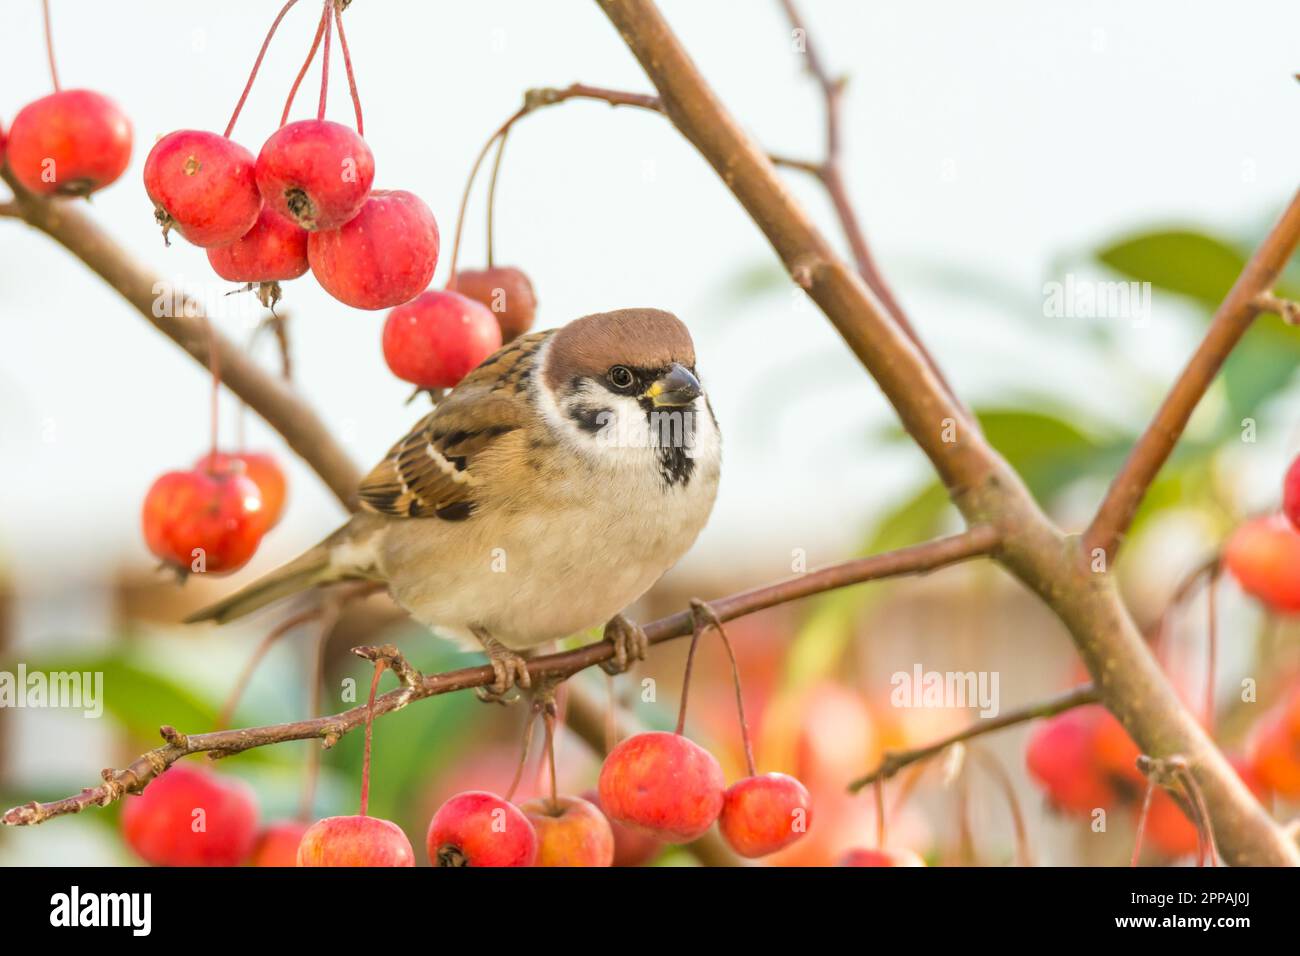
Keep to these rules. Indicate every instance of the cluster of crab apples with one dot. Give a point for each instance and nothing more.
(655, 789)
(1085, 761)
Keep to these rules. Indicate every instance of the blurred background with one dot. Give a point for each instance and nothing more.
(991, 150)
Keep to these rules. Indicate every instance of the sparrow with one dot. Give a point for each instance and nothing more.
(542, 496)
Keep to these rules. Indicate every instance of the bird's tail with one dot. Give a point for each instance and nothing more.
(340, 557)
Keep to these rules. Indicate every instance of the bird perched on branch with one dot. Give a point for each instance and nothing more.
(543, 495)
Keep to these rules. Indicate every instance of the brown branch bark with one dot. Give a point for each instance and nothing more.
(1128, 679)
(416, 686)
(895, 761)
(1233, 317)
(284, 410)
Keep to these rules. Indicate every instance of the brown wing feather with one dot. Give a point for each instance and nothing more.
(431, 472)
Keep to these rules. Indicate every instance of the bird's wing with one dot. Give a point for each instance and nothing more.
(446, 465)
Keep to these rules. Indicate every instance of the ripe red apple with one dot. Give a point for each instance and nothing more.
(261, 469)
(203, 521)
(573, 832)
(277, 845)
(315, 173)
(1275, 754)
(1062, 757)
(70, 143)
(191, 817)
(887, 857)
(203, 186)
(506, 291)
(476, 828)
(438, 338)
(355, 841)
(764, 813)
(381, 258)
(662, 784)
(631, 847)
(1263, 554)
(274, 250)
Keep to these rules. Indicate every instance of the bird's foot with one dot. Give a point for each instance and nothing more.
(509, 669)
(630, 645)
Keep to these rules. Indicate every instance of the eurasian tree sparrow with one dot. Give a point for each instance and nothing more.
(543, 495)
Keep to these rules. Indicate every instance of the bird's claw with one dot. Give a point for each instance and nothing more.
(509, 670)
(630, 645)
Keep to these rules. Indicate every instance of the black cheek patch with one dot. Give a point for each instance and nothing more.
(591, 419)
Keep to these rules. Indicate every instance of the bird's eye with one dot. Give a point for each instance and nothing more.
(620, 376)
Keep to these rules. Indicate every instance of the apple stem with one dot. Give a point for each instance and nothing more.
(548, 717)
(1024, 855)
(492, 197)
(311, 55)
(704, 618)
(611, 715)
(469, 185)
(370, 731)
(347, 64)
(1142, 823)
(214, 365)
(257, 65)
(523, 754)
(325, 60)
(49, 45)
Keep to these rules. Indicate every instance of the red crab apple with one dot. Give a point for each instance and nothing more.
(191, 817)
(1275, 754)
(203, 186)
(203, 521)
(277, 845)
(888, 857)
(1291, 494)
(383, 257)
(1062, 757)
(315, 173)
(476, 828)
(763, 813)
(1263, 554)
(631, 847)
(69, 143)
(506, 291)
(662, 784)
(355, 841)
(274, 250)
(570, 832)
(258, 467)
(437, 338)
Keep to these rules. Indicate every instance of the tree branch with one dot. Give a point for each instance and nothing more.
(895, 761)
(831, 173)
(416, 686)
(284, 410)
(1230, 323)
(983, 486)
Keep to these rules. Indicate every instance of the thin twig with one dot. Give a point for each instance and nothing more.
(1233, 317)
(552, 667)
(895, 761)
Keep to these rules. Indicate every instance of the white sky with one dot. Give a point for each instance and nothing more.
(986, 138)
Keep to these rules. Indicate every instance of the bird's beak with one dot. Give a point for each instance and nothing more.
(676, 388)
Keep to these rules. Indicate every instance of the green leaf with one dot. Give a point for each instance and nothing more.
(1178, 260)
